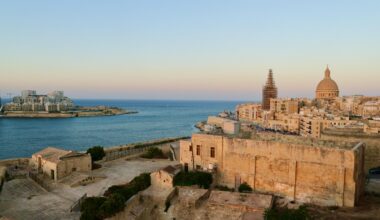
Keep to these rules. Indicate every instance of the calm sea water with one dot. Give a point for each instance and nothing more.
(156, 119)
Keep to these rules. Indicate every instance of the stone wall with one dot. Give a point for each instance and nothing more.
(113, 153)
(305, 173)
(14, 162)
(3, 171)
(372, 149)
(68, 165)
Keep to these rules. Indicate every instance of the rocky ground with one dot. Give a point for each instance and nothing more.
(24, 199)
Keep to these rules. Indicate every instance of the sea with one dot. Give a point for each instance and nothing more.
(21, 137)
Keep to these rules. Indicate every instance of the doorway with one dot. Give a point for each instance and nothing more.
(52, 174)
(39, 168)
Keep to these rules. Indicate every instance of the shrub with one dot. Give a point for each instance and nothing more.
(90, 207)
(201, 179)
(94, 208)
(139, 183)
(96, 152)
(113, 204)
(154, 152)
(244, 187)
(287, 214)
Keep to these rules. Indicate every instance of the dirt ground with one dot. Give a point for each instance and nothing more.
(368, 208)
(24, 199)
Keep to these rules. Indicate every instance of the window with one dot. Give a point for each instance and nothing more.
(74, 169)
(212, 152)
(198, 167)
(191, 148)
(198, 150)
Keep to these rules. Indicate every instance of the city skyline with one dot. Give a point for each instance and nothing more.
(187, 51)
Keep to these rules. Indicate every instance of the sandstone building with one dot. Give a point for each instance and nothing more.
(248, 112)
(323, 173)
(269, 91)
(327, 89)
(57, 163)
(228, 126)
(314, 126)
(285, 106)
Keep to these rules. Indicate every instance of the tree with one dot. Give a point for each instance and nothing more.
(96, 152)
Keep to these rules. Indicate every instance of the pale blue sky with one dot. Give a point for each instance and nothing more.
(195, 49)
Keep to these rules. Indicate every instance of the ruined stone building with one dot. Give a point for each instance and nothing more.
(269, 91)
(57, 163)
(323, 173)
(164, 178)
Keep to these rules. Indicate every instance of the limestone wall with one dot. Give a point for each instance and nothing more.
(372, 149)
(15, 161)
(136, 149)
(3, 171)
(319, 175)
(69, 165)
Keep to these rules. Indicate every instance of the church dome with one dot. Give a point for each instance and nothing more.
(327, 88)
(327, 84)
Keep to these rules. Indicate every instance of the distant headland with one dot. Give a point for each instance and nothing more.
(53, 105)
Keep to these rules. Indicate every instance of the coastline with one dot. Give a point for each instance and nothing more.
(108, 150)
(73, 114)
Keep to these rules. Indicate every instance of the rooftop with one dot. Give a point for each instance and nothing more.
(172, 170)
(53, 154)
(290, 139)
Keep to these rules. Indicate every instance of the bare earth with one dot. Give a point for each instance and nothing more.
(24, 199)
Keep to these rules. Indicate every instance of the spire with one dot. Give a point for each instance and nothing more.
(270, 80)
(327, 72)
(269, 91)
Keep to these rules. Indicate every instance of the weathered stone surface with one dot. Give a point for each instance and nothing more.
(301, 172)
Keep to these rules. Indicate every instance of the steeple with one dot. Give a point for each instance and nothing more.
(269, 91)
(270, 80)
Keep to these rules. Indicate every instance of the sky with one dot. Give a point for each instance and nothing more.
(188, 50)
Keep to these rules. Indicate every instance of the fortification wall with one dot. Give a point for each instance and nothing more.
(372, 148)
(321, 175)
